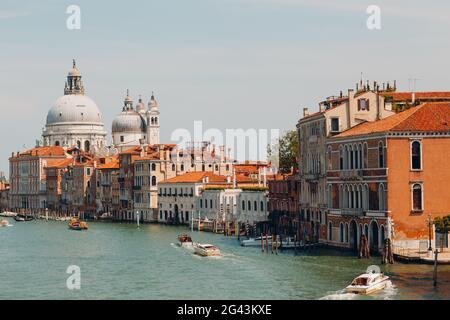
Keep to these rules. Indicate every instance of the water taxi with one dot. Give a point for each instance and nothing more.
(368, 283)
(185, 240)
(206, 250)
(76, 224)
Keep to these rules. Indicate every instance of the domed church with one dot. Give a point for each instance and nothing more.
(75, 119)
(136, 125)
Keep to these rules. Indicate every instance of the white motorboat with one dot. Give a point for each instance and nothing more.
(185, 241)
(255, 242)
(8, 214)
(368, 283)
(206, 250)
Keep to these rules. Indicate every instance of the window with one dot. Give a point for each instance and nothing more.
(417, 197)
(335, 124)
(122, 139)
(380, 155)
(57, 143)
(330, 231)
(262, 206)
(341, 159)
(210, 203)
(416, 156)
(341, 231)
(363, 105)
(153, 181)
(153, 167)
(243, 205)
(201, 203)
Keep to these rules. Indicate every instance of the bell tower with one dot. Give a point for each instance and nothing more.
(74, 84)
(153, 121)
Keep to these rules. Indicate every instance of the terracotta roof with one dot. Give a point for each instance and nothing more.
(113, 163)
(196, 177)
(403, 96)
(58, 163)
(429, 116)
(151, 147)
(44, 151)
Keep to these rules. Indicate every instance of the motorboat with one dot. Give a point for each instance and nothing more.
(4, 223)
(185, 240)
(368, 283)
(76, 224)
(23, 218)
(8, 214)
(255, 242)
(206, 250)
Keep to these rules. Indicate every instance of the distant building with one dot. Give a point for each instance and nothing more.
(4, 193)
(27, 176)
(386, 178)
(106, 173)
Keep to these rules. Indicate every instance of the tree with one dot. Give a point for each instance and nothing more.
(285, 151)
(442, 226)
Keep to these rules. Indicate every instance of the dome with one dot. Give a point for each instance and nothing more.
(74, 108)
(128, 121)
(74, 72)
(140, 107)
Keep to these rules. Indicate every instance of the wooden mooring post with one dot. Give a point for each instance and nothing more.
(435, 267)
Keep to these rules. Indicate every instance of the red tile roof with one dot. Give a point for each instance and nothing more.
(196, 177)
(403, 96)
(44, 151)
(429, 116)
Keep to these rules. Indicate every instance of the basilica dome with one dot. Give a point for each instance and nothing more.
(128, 121)
(74, 108)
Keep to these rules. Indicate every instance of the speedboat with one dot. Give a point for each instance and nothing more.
(255, 242)
(206, 250)
(185, 240)
(76, 224)
(4, 223)
(368, 283)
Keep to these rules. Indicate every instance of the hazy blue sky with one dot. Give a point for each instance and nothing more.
(231, 63)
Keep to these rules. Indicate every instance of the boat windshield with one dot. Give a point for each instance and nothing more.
(360, 281)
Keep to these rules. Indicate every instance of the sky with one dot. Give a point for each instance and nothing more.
(229, 63)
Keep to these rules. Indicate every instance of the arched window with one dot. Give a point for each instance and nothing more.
(153, 180)
(87, 146)
(341, 231)
(346, 232)
(365, 156)
(153, 167)
(243, 205)
(156, 120)
(380, 155)
(262, 205)
(57, 143)
(173, 167)
(382, 234)
(416, 163)
(249, 205)
(341, 158)
(417, 197)
(79, 144)
(381, 197)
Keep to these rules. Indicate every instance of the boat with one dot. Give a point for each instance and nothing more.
(8, 214)
(23, 218)
(368, 283)
(206, 250)
(255, 242)
(76, 224)
(4, 223)
(185, 240)
(105, 216)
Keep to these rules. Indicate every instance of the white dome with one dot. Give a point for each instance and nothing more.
(75, 109)
(128, 121)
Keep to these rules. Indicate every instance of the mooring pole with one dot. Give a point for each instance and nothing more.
(435, 267)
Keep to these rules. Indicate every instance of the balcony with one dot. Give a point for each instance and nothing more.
(353, 174)
(311, 176)
(137, 188)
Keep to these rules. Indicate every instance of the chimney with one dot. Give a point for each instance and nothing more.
(222, 153)
(321, 107)
(305, 112)
(413, 97)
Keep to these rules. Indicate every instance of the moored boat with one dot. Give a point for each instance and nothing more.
(184, 240)
(8, 214)
(255, 242)
(206, 250)
(368, 283)
(23, 218)
(76, 224)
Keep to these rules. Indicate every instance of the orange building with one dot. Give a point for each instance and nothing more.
(387, 178)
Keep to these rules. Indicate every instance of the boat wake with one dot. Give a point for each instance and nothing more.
(340, 295)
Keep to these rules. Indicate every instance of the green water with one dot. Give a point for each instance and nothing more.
(120, 261)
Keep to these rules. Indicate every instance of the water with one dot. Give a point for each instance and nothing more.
(120, 261)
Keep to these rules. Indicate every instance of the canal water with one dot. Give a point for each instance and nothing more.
(120, 261)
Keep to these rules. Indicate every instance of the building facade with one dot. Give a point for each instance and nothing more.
(385, 179)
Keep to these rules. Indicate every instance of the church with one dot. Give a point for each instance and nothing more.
(76, 121)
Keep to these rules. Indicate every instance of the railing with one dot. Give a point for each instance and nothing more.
(351, 174)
